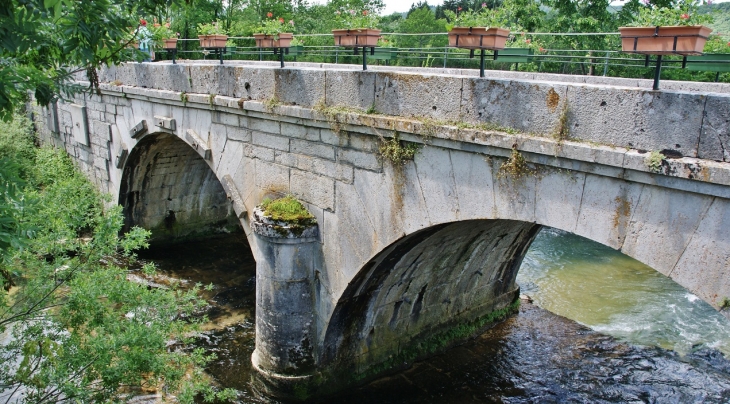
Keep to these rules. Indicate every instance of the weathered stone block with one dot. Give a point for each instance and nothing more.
(315, 189)
(418, 95)
(312, 149)
(270, 141)
(715, 136)
(354, 89)
(359, 159)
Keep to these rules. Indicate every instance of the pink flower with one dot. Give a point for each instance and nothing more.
(527, 41)
(458, 9)
(269, 14)
(684, 16)
(646, 2)
(542, 49)
(291, 22)
(484, 5)
(728, 44)
(364, 12)
(337, 12)
(353, 12)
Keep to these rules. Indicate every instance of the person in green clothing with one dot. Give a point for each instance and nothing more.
(145, 40)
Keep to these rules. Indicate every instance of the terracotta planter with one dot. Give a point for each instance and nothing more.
(356, 37)
(170, 43)
(268, 41)
(478, 38)
(669, 40)
(213, 41)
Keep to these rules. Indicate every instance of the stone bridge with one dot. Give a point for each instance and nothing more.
(406, 258)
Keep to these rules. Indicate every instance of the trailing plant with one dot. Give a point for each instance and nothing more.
(184, 98)
(654, 161)
(515, 167)
(397, 151)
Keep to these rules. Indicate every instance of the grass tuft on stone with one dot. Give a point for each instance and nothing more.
(286, 209)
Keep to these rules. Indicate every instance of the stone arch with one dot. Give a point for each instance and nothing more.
(407, 299)
(168, 188)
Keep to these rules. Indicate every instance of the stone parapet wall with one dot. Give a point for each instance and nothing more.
(685, 119)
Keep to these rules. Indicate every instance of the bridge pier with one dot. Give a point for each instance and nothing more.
(284, 357)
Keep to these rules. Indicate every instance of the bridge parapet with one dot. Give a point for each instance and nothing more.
(689, 121)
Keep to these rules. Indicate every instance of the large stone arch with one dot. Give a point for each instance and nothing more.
(406, 300)
(168, 188)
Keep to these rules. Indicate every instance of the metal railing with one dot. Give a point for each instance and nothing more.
(567, 61)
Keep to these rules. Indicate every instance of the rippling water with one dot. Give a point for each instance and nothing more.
(533, 357)
(617, 295)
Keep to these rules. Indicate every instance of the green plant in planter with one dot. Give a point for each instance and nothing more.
(483, 17)
(682, 13)
(212, 28)
(297, 42)
(352, 19)
(274, 26)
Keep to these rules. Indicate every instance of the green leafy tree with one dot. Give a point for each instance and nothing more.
(72, 327)
(43, 43)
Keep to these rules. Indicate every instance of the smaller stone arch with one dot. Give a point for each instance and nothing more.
(168, 188)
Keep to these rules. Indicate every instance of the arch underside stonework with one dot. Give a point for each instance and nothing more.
(422, 287)
(168, 188)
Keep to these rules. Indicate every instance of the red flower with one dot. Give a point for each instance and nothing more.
(364, 12)
(728, 44)
(684, 16)
(269, 14)
(542, 49)
(142, 22)
(458, 8)
(281, 20)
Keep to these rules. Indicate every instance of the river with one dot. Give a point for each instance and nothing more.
(602, 328)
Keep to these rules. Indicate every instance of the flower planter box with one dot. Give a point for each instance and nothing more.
(384, 54)
(478, 38)
(213, 41)
(709, 62)
(668, 40)
(170, 43)
(268, 41)
(358, 37)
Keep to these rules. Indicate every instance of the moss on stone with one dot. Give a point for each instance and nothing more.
(438, 342)
(289, 210)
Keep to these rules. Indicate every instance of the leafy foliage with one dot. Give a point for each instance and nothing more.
(73, 327)
(43, 43)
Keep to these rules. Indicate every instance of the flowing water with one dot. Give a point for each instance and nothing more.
(637, 336)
